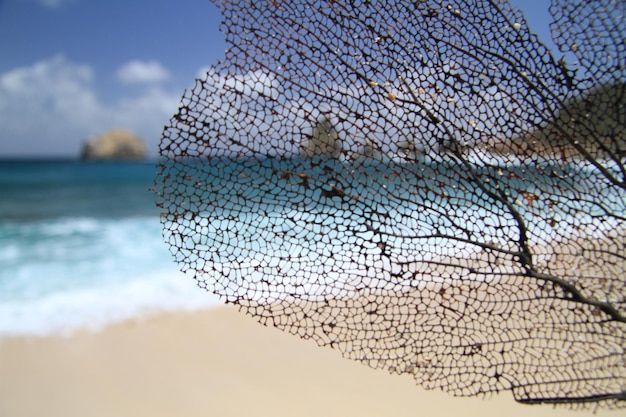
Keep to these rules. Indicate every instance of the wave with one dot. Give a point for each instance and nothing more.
(67, 273)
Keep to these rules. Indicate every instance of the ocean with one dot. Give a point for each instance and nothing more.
(81, 247)
(81, 243)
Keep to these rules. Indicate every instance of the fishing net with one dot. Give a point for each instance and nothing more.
(420, 185)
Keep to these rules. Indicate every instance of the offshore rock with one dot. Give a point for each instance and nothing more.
(114, 145)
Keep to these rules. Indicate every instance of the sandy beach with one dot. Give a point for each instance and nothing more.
(215, 362)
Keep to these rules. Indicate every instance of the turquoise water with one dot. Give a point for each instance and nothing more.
(81, 245)
(317, 227)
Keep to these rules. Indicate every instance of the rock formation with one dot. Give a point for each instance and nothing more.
(114, 144)
(324, 139)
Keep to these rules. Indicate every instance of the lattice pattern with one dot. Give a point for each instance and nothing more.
(418, 184)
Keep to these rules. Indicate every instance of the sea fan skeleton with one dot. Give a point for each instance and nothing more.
(421, 185)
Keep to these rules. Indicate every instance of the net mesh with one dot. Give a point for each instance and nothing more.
(420, 185)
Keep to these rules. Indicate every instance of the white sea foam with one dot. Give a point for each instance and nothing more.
(93, 308)
(60, 275)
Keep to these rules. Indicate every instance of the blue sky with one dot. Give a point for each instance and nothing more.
(70, 69)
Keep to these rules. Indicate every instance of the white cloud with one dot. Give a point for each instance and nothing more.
(142, 72)
(202, 72)
(51, 107)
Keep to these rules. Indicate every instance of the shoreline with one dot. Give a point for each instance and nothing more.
(215, 361)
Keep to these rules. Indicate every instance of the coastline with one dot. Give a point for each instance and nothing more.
(216, 362)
